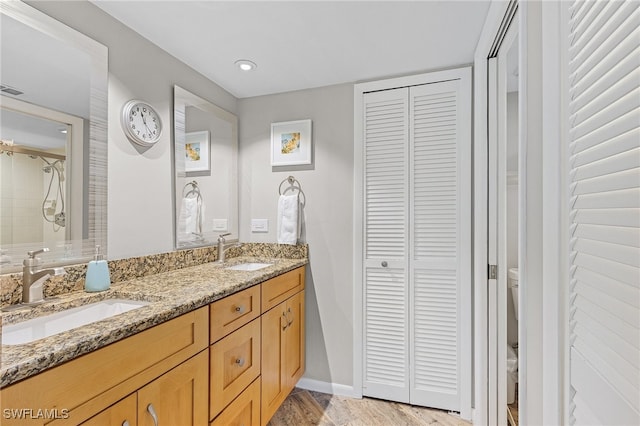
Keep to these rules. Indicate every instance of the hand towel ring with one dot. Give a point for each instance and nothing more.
(294, 185)
(195, 190)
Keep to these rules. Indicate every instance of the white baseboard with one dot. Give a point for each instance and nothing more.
(326, 387)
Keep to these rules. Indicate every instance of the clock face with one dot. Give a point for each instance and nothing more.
(141, 123)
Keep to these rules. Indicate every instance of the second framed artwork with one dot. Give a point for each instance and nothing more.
(291, 143)
(197, 157)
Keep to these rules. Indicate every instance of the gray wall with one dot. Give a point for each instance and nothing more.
(140, 204)
(328, 186)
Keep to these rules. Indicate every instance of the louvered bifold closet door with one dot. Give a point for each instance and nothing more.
(386, 362)
(437, 198)
(604, 178)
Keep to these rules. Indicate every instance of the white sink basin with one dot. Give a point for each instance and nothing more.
(249, 266)
(48, 325)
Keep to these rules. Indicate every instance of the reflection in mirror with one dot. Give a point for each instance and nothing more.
(53, 136)
(205, 171)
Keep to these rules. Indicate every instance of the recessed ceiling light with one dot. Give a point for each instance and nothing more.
(246, 65)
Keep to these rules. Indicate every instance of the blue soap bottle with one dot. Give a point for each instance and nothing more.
(98, 278)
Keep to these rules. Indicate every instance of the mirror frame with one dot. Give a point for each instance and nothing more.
(181, 99)
(94, 226)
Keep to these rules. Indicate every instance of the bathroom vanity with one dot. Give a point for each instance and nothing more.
(215, 346)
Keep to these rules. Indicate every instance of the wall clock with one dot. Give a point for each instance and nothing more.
(141, 123)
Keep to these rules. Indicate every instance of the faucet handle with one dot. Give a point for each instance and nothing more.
(221, 236)
(32, 254)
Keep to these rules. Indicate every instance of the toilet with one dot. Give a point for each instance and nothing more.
(512, 282)
(512, 356)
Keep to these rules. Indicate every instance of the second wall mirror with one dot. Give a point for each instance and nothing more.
(205, 171)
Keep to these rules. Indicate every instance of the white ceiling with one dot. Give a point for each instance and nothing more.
(305, 44)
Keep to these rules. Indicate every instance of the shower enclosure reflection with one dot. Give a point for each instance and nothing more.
(36, 199)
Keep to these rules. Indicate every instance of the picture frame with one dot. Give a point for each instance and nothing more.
(291, 143)
(197, 152)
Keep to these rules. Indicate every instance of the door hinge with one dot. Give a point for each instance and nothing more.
(493, 272)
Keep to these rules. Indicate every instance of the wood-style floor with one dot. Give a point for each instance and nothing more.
(307, 408)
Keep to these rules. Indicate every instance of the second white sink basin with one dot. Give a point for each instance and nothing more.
(48, 325)
(249, 266)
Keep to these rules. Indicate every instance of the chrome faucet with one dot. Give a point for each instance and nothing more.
(33, 278)
(221, 250)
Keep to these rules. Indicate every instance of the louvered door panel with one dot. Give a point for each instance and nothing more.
(385, 150)
(435, 140)
(386, 362)
(604, 179)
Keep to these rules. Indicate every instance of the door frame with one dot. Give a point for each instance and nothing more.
(466, 361)
(542, 254)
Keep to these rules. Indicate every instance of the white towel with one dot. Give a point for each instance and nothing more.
(191, 218)
(288, 222)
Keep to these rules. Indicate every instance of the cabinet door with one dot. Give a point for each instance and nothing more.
(178, 397)
(121, 413)
(274, 380)
(294, 340)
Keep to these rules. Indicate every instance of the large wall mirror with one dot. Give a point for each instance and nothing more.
(205, 171)
(53, 139)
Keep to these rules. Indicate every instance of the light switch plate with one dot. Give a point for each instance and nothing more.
(259, 225)
(220, 225)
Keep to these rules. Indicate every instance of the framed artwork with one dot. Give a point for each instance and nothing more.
(291, 143)
(196, 148)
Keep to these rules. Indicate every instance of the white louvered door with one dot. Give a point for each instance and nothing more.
(416, 243)
(386, 211)
(438, 240)
(604, 179)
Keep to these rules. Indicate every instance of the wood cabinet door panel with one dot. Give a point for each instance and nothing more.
(122, 413)
(274, 381)
(178, 397)
(294, 355)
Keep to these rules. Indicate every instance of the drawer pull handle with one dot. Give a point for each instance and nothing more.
(154, 416)
(284, 327)
(125, 423)
(240, 362)
(240, 309)
(289, 322)
(384, 264)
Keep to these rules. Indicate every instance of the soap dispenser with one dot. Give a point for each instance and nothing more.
(98, 278)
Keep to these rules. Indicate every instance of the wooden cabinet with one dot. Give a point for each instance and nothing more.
(178, 397)
(283, 345)
(169, 374)
(90, 383)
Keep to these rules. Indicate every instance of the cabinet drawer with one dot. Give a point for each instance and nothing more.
(232, 312)
(234, 364)
(282, 287)
(244, 410)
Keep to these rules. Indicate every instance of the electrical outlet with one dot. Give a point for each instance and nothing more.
(259, 225)
(220, 224)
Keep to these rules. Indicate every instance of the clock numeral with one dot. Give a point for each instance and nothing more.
(138, 131)
(133, 126)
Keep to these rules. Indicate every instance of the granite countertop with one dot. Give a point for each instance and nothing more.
(170, 294)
